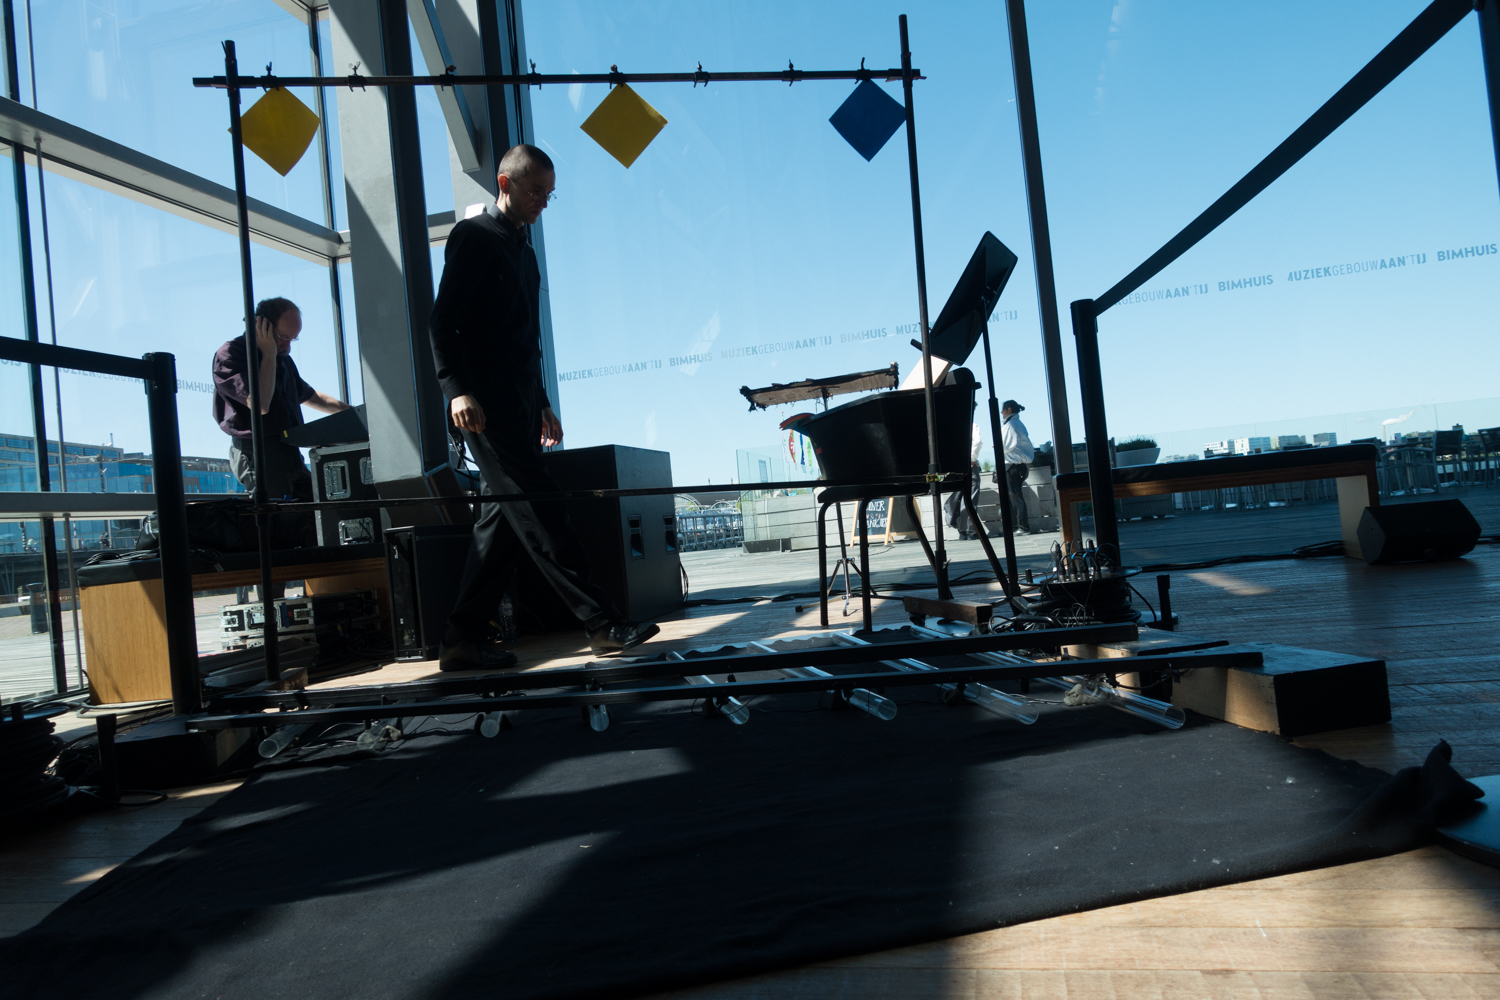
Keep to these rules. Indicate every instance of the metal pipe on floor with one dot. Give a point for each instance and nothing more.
(993, 701)
(865, 700)
(731, 708)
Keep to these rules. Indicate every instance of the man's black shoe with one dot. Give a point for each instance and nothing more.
(469, 655)
(616, 637)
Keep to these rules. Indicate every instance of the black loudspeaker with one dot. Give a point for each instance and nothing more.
(425, 563)
(1404, 532)
(631, 541)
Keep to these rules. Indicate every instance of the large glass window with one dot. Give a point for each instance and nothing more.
(750, 244)
(1334, 291)
(432, 127)
(124, 69)
(130, 279)
(331, 127)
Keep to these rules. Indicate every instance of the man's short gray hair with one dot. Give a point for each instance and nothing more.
(521, 160)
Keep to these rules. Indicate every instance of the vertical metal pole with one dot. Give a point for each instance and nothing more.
(109, 768)
(325, 161)
(1002, 482)
(172, 531)
(1096, 434)
(252, 363)
(62, 437)
(944, 591)
(1489, 39)
(1041, 237)
(38, 400)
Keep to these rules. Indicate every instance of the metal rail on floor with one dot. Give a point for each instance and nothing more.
(593, 680)
(637, 670)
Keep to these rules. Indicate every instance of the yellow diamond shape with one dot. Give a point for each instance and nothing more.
(624, 124)
(278, 129)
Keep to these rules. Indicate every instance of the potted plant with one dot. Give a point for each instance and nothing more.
(1136, 451)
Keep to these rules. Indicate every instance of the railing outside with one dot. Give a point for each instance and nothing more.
(700, 531)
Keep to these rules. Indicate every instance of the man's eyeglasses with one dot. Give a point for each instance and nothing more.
(537, 194)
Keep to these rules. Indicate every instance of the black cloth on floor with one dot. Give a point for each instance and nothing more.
(675, 849)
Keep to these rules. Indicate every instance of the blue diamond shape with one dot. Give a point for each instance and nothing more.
(868, 119)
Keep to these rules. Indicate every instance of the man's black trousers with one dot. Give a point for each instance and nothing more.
(506, 533)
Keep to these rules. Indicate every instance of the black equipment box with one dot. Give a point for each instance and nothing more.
(1408, 532)
(631, 541)
(425, 564)
(343, 626)
(631, 544)
(300, 614)
(344, 472)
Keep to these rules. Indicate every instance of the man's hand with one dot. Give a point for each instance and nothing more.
(467, 414)
(551, 428)
(265, 338)
(265, 342)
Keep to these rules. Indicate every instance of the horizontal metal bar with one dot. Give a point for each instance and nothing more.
(1406, 48)
(27, 506)
(704, 77)
(651, 491)
(101, 163)
(737, 689)
(31, 353)
(821, 656)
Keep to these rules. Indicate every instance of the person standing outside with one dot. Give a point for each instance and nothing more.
(283, 393)
(486, 342)
(1016, 449)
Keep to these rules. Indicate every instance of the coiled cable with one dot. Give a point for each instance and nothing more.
(27, 748)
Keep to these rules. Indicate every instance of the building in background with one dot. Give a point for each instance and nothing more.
(95, 469)
(1251, 445)
(1325, 440)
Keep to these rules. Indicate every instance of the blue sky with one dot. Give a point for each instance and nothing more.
(749, 222)
(750, 214)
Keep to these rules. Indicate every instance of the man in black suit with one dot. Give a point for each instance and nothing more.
(486, 339)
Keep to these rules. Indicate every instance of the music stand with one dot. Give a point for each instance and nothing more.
(965, 319)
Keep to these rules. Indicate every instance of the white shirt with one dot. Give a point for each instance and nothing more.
(975, 447)
(1016, 444)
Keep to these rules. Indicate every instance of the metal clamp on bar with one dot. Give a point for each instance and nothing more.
(997, 702)
(1096, 689)
(865, 700)
(731, 708)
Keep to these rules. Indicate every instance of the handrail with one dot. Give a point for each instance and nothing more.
(1440, 17)
(159, 373)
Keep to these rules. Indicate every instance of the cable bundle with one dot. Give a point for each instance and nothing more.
(27, 746)
(1097, 599)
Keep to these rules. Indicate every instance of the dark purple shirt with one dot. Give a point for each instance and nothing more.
(232, 387)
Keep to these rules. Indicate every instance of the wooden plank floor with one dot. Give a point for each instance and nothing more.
(1420, 925)
(42, 868)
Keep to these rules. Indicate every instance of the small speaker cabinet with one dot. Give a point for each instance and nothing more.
(343, 472)
(425, 563)
(1408, 532)
(631, 541)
